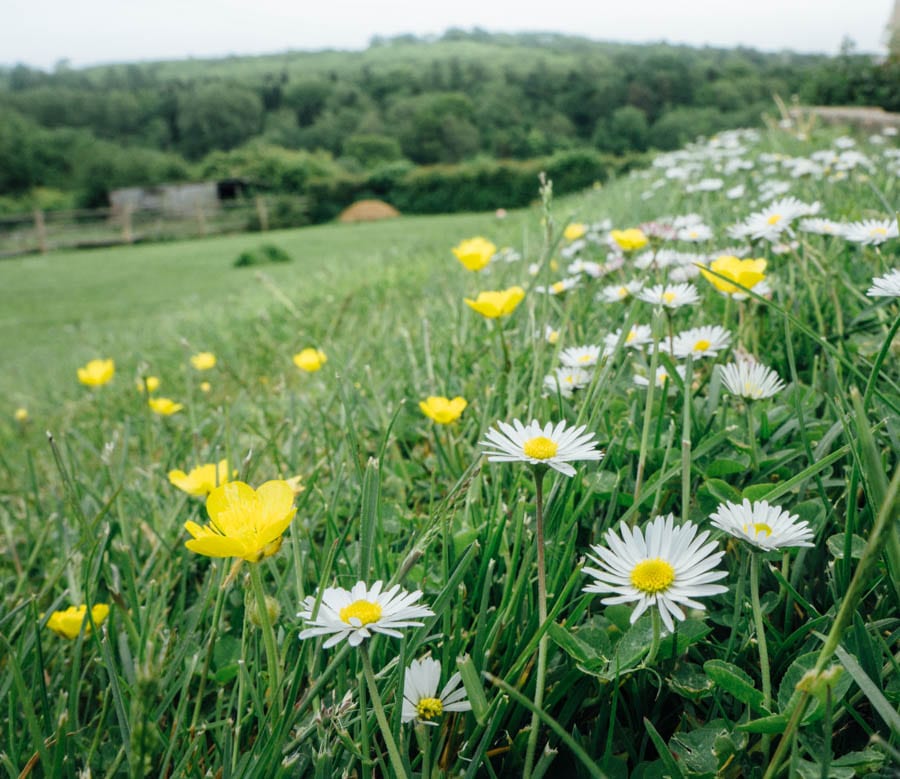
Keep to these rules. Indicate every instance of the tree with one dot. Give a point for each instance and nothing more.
(217, 116)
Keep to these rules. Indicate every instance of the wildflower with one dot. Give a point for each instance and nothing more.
(205, 387)
(580, 356)
(475, 253)
(747, 273)
(871, 232)
(750, 380)
(497, 304)
(244, 522)
(887, 286)
(706, 341)
(574, 231)
(662, 377)
(629, 240)
(822, 226)
(97, 373)
(165, 407)
(665, 566)
(148, 384)
(551, 335)
(70, 622)
(619, 292)
(202, 480)
(203, 361)
(421, 701)
(549, 446)
(442, 410)
(765, 527)
(638, 336)
(566, 380)
(773, 220)
(21, 415)
(670, 296)
(310, 359)
(558, 287)
(695, 233)
(355, 614)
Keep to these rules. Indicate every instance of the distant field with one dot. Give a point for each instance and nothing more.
(59, 310)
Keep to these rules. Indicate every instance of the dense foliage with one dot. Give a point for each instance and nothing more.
(404, 100)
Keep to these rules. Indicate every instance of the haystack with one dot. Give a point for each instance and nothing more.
(368, 211)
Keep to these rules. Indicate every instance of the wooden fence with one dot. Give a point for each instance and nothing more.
(43, 231)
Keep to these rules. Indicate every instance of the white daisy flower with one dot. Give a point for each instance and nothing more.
(580, 356)
(357, 613)
(565, 381)
(638, 336)
(695, 233)
(685, 220)
(751, 380)
(666, 566)
(765, 527)
(887, 286)
(618, 292)
(670, 295)
(871, 232)
(559, 287)
(735, 192)
(662, 376)
(553, 446)
(706, 341)
(684, 273)
(822, 226)
(421, 701)
(773, 220)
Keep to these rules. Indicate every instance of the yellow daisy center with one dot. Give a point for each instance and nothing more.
(622, 292)
(558, 287)
(585, 358)
(693, 234)
(429, 708)
(364, 611)
(774, 219)
(668, 297)
(702, 345)
(879, 231)
(632, 334)
(652, 576)
(540, 448)
(758, 528)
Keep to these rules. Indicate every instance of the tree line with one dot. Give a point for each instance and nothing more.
(70, 135)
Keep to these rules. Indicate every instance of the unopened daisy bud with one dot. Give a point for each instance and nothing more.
(273, 611)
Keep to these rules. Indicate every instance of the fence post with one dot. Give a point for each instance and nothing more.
(127, 233)
(40, 229)
(262, 212)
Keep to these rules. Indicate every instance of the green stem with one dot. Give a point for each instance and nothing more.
(755, 564)
(393, 752)
(686, 442)
(539, 473)
(738, 603)
(751, 436)
(217, 613)
(268, 639)
(648, 412)
(654, 641)
(424, 739)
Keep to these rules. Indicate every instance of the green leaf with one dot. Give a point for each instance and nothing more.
(725, 467)
(722, 490)
(836, 546)
(690, 682)
(757, 491)
(734, 681)
(474, 688)
(796, 673)
(887, 712)
(703, 751)
(664, 754)
(773, 724)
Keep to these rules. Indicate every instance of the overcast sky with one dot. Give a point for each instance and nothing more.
(42, 32)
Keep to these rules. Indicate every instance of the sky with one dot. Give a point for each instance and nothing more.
(40, 33)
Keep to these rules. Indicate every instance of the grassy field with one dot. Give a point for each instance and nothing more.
(766, 646)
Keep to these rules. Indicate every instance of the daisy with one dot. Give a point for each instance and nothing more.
(695, 233)
(821, 226)
(662, 376)
(618, 292)
(671, 295)
(561, 286)
(765, 527)
(638, 336)
(871, 232)
(549, 446)
(420, 699)
(751, 380)
(666, 567)
(357, 613)
(887, 286)
(706, 341)
(565, 381)
(580, 356)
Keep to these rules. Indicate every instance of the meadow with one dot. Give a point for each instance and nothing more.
(687, 566)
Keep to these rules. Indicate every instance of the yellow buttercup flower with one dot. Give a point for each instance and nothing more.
(574, 231)
(629, 240)
(310, 359)
(475, 253)
(21, 415)
(165, 407)
(205, 386)
(747, 273)
(203, 361)
(69, 623)
(497, 304)
(244, 522)
(96, 373)
(151, 383)
(202, 480)
(442, 410)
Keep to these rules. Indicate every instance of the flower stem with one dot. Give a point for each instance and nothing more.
(648, 412)
(393, 752)
(751, 436)
(539, 473)
(424, 739)
(654, 641)
(268, 638)
(755, 564)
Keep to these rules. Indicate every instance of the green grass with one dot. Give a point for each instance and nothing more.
(185, 679)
